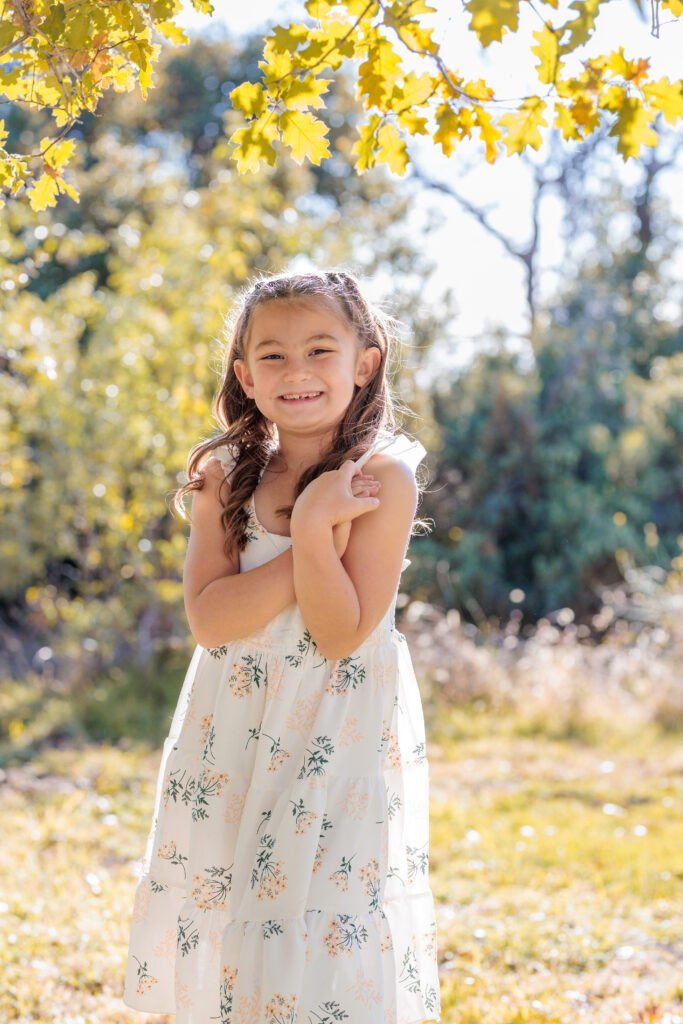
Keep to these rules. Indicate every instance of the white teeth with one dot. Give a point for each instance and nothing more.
(312, 394)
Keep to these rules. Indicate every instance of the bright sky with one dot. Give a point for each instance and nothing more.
(488, 284)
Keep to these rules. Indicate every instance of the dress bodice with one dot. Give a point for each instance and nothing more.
(263, 545)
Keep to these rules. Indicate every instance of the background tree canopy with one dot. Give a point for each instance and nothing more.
(547, 478)
(63, 56)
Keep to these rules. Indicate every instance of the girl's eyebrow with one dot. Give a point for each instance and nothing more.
(313, 337)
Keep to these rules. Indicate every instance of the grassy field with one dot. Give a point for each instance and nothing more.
(556, 853)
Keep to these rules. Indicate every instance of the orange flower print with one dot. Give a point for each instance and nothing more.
(382, 672)
(166, 948)
(182, 997)
(247, 1010)
(281, 1009)
(234, 809)
(344, 934)
(349, 733)
(275, 678)
(356, 802)
(340, 877)
(346, 674)
(142, 897)
(322, 849)
(267, 876)
(250, 673)
(369, 875)
(211, 889)
(169, 851)
(304, 819)
(204, 727)
(394, 751)
(364, 990)
(303, 716)
(278, 754)
(228, 980)
(145, 979)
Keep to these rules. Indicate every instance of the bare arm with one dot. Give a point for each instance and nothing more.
(343, 599)
(221, 603)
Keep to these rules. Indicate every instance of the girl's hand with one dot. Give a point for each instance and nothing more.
(330, 499)
(362, 485)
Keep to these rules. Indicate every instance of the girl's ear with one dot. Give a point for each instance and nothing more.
(244, 377)
(368, 363)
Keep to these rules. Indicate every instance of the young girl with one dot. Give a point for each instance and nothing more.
(285, 879)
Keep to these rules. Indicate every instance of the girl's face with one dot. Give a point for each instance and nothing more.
(301, 365)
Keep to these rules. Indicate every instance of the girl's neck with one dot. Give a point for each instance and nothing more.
(298, 453)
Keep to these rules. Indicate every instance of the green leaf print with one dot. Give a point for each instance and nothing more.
(327, 1013)
(207, 752)
(247, 674)
(180, 786)
(272, 927)
(145, 979)
(303, 817)
(431, 998)
(394, 804)
(409, 976)
(417, 861)
(340, 877)
(347, 672)
(268, 875)
(157, 886)
(315, 759)
(419, 752)
(344, 934)
(305, 645)
(217, 652)
(209, 785)
(170, 852)
(188, 936)
(211, 889)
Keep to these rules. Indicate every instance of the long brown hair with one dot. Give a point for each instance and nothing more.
(248, 434)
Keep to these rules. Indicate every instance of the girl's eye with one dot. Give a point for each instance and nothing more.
(272, 355)
(321, 350)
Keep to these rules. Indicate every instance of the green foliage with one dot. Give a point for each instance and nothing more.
(549, 478)
(112, 329)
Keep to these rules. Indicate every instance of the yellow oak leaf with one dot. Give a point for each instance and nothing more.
(448, 130)
(58, 154)
(675, 6)
(491, 19)
(305, 135)
(365, 145)
(415, 124)
(547, 50)
(413, 92)
(392, 149)
(566, 123)
(300, 93)
(490, 133)
(377, 75)
(254, 143)
(524, 125)
(632, 127)
(250, 98)
(43, 193)
(173, 32)
(581, 27)
(665, 96)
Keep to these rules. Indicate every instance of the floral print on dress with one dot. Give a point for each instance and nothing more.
(289, 840)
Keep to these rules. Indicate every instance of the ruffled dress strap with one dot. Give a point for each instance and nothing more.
(226, 456)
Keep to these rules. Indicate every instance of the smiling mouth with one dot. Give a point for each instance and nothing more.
(308, 396)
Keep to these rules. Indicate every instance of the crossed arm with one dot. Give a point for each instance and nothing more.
(341, 599)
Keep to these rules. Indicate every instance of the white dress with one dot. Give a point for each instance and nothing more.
(285, 878)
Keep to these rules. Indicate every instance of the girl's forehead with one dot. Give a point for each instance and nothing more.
(275, 318)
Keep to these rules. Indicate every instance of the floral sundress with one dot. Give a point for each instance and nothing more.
(285, 877)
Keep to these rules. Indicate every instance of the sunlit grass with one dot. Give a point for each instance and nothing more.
(555, 864)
